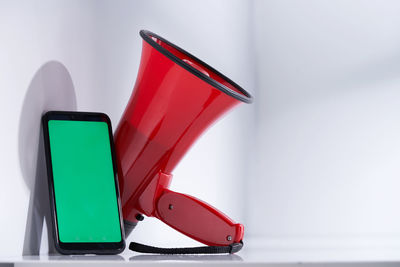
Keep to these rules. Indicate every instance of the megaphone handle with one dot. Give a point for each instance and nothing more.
(197, 219)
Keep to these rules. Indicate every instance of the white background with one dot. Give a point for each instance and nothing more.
(312, 164)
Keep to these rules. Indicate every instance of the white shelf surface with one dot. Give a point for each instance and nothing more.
(255, 253)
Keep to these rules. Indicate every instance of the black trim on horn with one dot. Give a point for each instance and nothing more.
(244, 96)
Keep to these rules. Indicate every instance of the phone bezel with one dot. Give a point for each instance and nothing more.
(80, 247)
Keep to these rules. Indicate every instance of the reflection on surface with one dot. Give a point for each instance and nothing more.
(210, 257)
(138, 258)
(87, 258)
(59, 257)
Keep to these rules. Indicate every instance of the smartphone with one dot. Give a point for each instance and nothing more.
(83, 185)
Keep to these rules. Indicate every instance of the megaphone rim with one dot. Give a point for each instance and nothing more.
(243, 96)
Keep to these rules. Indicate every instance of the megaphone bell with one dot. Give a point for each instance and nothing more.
(175, 98)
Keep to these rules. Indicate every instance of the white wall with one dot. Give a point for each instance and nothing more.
(328, 147)
(312, 164)
(84, 55)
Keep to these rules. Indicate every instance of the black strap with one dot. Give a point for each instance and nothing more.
(232, 248)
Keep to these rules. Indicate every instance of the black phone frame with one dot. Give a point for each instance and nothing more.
(80, 247)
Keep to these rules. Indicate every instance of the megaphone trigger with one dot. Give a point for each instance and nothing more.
(197, 219)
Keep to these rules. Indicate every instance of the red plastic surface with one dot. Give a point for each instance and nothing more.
(197, 219)
(169, 109)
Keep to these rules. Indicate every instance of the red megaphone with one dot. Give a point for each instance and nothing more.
(176, 97)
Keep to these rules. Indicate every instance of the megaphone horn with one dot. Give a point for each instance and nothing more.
(175, 98)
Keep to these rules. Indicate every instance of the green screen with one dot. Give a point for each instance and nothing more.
(84, 185)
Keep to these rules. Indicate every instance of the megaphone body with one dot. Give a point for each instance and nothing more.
(175, 98)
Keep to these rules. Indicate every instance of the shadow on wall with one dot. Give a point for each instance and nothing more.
(50, 89)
